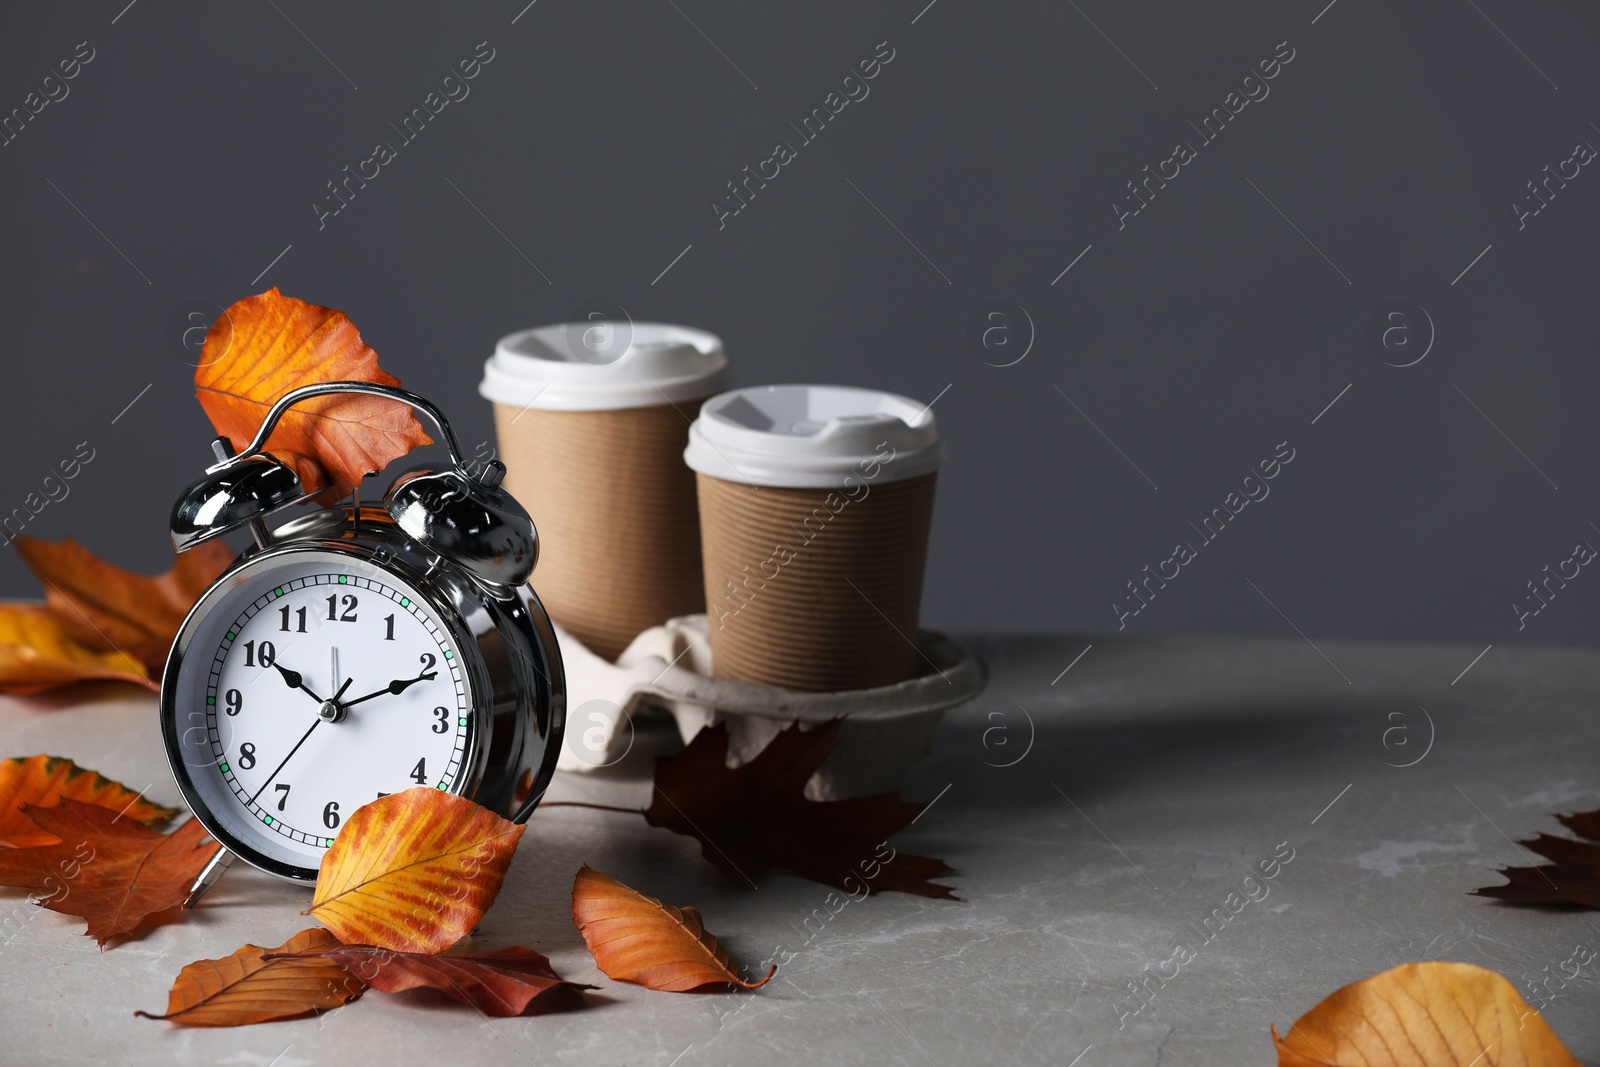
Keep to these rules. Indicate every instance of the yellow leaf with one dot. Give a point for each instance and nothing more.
(37, 652)
(414, 871)
(107, 609)
(635, 938)
(45, 781)
(1424, 1014)
(267, 344)
(244, 988)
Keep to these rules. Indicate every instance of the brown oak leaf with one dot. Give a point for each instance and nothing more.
(43, 780)
(113, 871)
(496, 983)
(257, 985)
(1573, 878)
(107, 609)
(267, 344)
(1433, 1014)
(635, 938)
(755, 817)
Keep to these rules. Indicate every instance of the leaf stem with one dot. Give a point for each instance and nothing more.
(596, 807)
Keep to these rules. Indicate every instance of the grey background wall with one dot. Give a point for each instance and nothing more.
(1185, 343)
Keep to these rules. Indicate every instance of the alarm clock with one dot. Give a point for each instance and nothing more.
(356, 652)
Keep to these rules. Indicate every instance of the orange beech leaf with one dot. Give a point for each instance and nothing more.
(496, 983)
(106, 608)
(113, 871)
(759, 818)
(635, 938)
(257, 985)
(43, 780)
(1424, 1014)
(267, 344)
(1572, 876)
(38, 652)
(413, 871)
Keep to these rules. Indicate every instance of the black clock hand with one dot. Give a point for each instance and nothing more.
(295, 681)
(297, 744)
(286, 759)
(396, 687)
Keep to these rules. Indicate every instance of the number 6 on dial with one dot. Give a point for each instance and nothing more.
(356, 651)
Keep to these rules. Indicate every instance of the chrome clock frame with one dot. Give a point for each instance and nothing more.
(517, 688)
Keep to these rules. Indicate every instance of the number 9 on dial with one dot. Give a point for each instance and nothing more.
(357, 652)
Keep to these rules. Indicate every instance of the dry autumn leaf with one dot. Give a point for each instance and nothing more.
(413, 871)
(496, 983)
(114, 872)
(248, 988)
(635, 938)
(107, 609)
(1424, 1014)
(44, 780)
(1572, 878)
(759, 818)
(267, 344)
(38, 652)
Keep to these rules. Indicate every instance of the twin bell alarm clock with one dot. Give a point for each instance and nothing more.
(355, 652)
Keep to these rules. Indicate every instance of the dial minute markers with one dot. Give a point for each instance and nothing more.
(350, 650)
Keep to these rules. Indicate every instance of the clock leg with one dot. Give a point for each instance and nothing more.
(208, 877)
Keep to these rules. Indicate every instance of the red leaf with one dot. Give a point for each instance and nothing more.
(755, 818)
(496, 983)
(113, 871)
(1572, 879)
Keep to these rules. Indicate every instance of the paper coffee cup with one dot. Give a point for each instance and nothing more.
(591, 419)
(815, 506)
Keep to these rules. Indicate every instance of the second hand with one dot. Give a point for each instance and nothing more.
(286, 759)
(296, 747)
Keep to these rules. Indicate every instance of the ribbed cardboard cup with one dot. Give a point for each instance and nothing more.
(619, 535)
(815, 506)
(809, 589)
(592, 418)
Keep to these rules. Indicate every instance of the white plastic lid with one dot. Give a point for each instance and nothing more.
(604, 365)
(813, 437)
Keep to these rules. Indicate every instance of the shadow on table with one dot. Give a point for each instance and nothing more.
(1003, 756)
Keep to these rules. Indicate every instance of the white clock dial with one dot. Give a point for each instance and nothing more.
(323, 686)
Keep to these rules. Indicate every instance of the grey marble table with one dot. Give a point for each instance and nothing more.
(1101, 803)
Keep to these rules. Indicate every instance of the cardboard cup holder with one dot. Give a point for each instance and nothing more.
(667, 671)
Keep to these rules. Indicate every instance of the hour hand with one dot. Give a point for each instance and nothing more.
(294, 681)
(400, 685)
(396, 687)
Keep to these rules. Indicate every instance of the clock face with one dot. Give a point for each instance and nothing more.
(312, 687)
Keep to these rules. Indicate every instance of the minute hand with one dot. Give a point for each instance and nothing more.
(396, 687)
(303, 739)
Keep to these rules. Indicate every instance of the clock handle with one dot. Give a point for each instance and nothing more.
(306, 392)
(458, 514)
